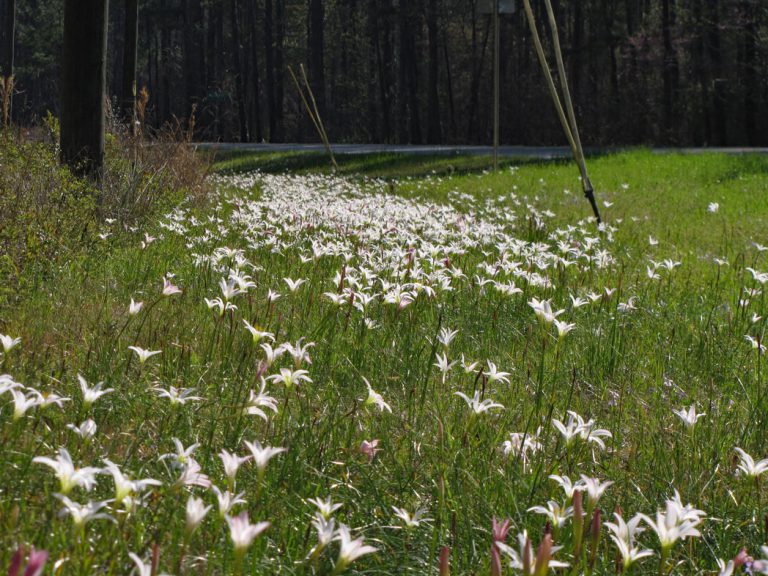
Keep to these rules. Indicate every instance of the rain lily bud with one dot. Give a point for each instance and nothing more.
(445, 564)
(578, 523)
(595, 527)
(499, 532)
(527, 557)
(543, 556)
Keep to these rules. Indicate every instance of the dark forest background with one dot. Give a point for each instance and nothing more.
(679, 72)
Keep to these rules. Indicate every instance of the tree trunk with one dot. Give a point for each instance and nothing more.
(279, 71)
(719, 109)
(7, 37)
(255, 115)
(239, 87)
(130, 51)
(7, 41)
(270, 68)
(434, 134)
(373, 52)
(194, 59)
(671, 70)
(315, 48)
(751, 85)
(83, 85)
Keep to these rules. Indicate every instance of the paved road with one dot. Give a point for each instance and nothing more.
(535, 152)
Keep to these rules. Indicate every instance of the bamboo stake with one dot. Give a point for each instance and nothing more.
(314, 113)
(569, 127)
(589, 191)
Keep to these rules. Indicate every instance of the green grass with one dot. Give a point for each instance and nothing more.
(683, 344)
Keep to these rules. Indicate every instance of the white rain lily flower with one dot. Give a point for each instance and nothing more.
(83, 513)
(299, 352)
(169, 289)
(271, 354)
(446, 336)
(543, 310)
(272, 296)
(326, 507)
(713, 208)
(69, 476)
(243, 533)
(125, 488)
(220, 305)
(628, 306)
(227, 500)
(22, 403)
(469, 367)
(748, 467)
(677, 522)
(375, 399)
(192, 475)
(92, 393)
(568, 486)
(196, 513)
(257, 401)
(594, 489)
(761, 277)
(623, 535)
(577, 302)
(290, 377)
(522, 445)
(350, 549)
(494, 374)
(143, 354)
(689, 416)
(178, 396)
(563, 328)
(761, 566)
(228, 289)
(85, 431)
(135, 307)
(411, 520)
(294, 285)
(232, 463)
(46, 399)
(443, 365)
(257, 333)
(326, 529)
(476, 405)
(556, 513)
(755, 343)
(7, 384)
(577, 427)
(9, 343)
(262, 454)
(182, 454)
(338, 300)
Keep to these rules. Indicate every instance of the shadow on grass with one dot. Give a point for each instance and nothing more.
(370, 165)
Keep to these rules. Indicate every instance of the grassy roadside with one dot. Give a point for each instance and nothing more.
(653, 345)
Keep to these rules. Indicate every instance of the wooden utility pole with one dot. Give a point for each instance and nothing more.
(83, 86)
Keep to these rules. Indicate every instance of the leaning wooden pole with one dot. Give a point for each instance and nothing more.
(314, 113)
(589, 191)
(568, 121)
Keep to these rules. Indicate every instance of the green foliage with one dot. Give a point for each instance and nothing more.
(46, 214)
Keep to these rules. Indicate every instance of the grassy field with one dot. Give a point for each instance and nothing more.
(465, 335)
